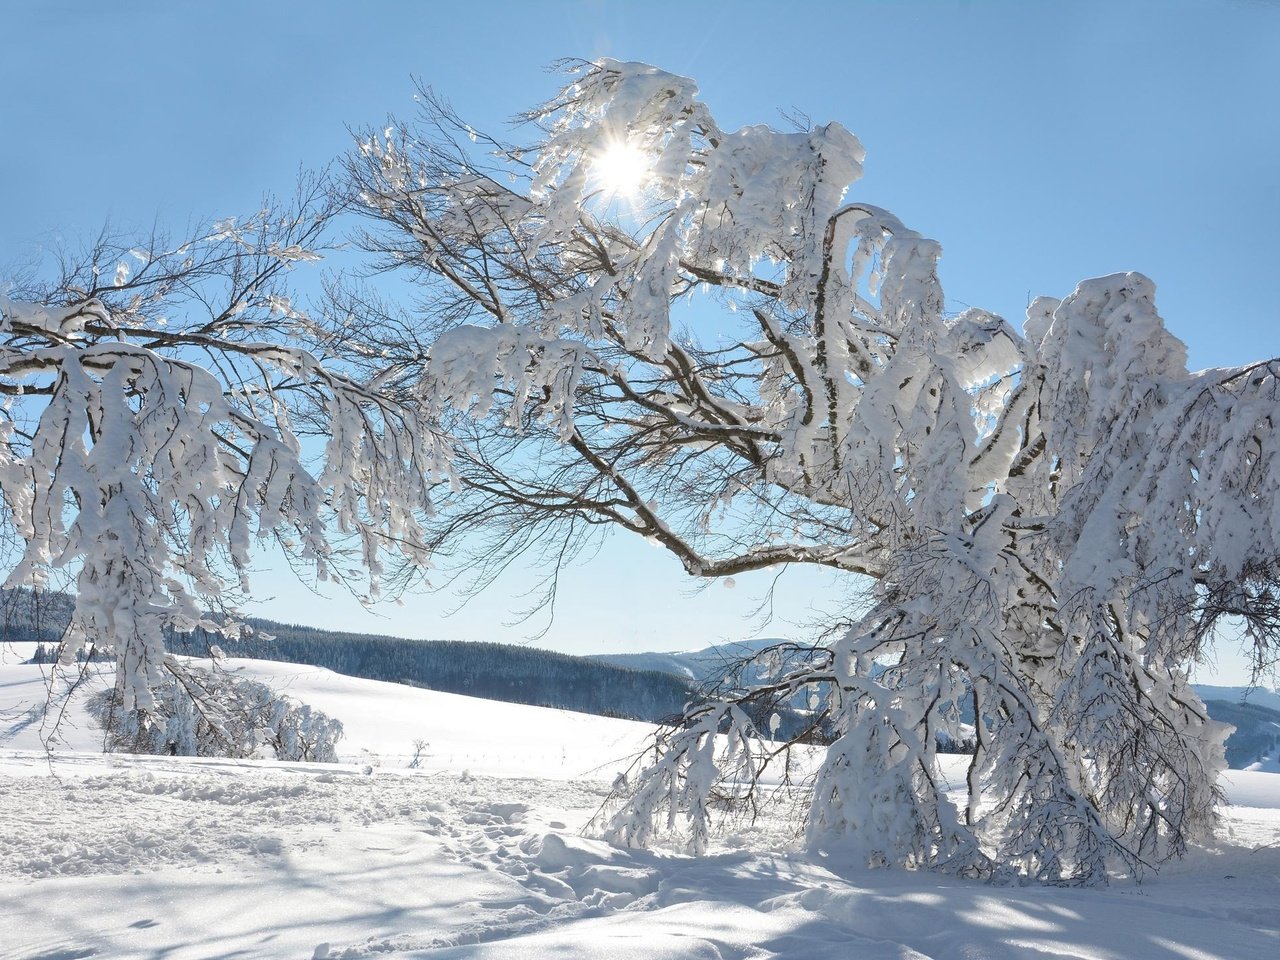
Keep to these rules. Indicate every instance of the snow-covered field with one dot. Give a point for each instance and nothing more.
(476, 853)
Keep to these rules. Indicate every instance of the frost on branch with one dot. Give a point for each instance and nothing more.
(157, 427)
(750, 368)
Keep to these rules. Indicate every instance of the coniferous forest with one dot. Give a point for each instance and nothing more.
(494, 671)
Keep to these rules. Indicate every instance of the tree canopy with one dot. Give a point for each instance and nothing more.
(644, 321)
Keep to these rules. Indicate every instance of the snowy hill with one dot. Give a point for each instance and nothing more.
(1253, 711)
(475, 854)
(698, 666)
(515, 674)
(383, 722)
(1255, 696)
(649, 686)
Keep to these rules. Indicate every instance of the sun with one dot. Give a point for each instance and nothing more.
(621, 169)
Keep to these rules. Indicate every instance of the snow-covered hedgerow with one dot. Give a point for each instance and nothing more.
(211, 713)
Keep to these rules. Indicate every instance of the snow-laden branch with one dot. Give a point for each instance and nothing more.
(159, 427)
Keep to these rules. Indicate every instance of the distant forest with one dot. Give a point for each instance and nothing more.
(498, 671)
(29, 616)
(494, 671)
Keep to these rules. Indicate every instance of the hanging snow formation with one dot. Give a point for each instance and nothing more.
(155, 428)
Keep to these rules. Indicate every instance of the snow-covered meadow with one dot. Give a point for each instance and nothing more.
(477, 852)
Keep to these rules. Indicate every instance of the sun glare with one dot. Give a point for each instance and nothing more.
(621, 169)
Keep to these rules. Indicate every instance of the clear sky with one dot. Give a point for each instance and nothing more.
(1040, 143)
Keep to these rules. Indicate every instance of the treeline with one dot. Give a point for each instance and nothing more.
(498, 671)
(28, 616)
(494, 671)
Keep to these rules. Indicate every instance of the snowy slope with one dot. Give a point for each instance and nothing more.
(477, 856)
(1259, 696)
(381, 723)
(695, 665)
(700, 665)
(1253, 711)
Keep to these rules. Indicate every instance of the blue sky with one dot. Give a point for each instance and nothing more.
(1040, 143)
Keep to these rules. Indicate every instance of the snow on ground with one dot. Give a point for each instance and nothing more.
(476, 853)
(382, 723)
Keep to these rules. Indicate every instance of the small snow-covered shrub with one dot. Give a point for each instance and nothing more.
(211, 713)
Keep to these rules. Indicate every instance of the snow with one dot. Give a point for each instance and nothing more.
(381, 723)
(1270, 764)
(1260, 696)
(382, 720)
(1251, 788)
(477, 853)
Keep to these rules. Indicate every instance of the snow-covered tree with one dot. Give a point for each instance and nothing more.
(161, 417)
(645, 322)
